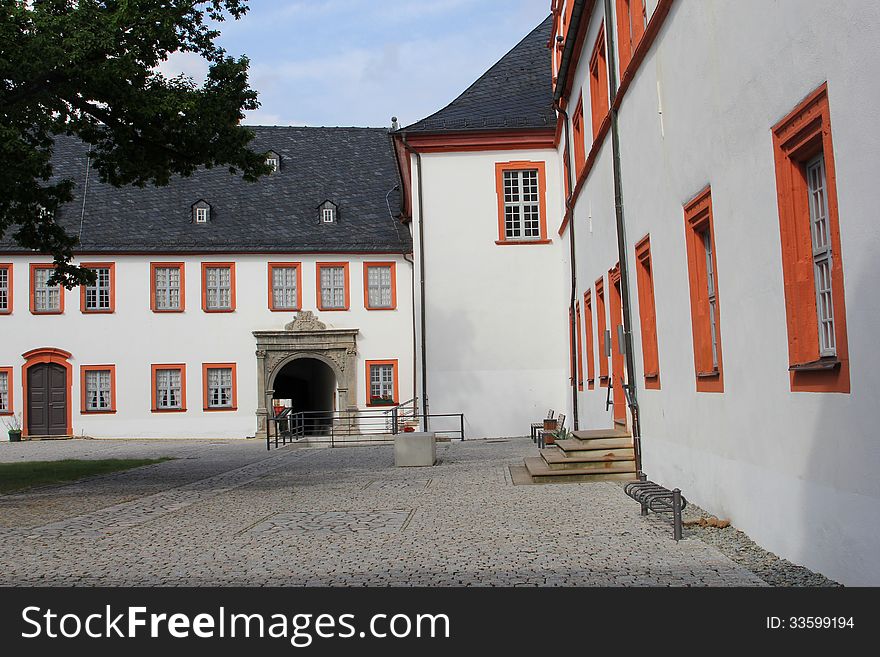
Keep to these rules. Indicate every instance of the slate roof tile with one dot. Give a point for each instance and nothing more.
(516, 93)
(354, 167)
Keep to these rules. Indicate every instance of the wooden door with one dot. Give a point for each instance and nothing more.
(47, 400)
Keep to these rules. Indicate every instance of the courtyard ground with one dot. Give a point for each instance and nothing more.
(231, 513)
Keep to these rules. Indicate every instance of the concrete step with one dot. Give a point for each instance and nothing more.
(541, 472)
(592, 434)
(576, 445)
(598, 459)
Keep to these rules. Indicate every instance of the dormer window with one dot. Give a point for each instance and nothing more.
(201, 212)
(273, 161)
(327, 212)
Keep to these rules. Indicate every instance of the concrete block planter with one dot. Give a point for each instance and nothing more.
(415, 449)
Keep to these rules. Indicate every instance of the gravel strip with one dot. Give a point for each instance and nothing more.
(742, 550)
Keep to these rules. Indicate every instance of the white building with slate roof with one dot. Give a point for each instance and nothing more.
(641, 219)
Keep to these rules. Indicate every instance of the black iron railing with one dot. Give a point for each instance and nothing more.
(341, 427)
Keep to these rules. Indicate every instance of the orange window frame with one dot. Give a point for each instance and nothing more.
(630, 29)
(83, 370)
(647, 313)
(33, 268)
(580, 347)
(82, 289)
(322, 265)
(393, 266)
(218, 265)
(698, 218)
(181, 267)
(8, 267)
(393, 363)
(9, 391)
(500, 168)
(599, 99)
(169, 366)
(802, 135)
(580, 144)
(219, 366)
(588, 322)
(285, 265)
(600, 330)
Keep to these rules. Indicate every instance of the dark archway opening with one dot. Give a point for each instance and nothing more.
(310, 386)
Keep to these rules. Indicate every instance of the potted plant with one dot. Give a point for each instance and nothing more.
(14, 427)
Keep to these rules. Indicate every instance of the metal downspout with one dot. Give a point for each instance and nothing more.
(621, 240)
(573, 263)
(424, 356)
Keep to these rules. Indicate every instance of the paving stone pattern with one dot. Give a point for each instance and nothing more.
(229, 513)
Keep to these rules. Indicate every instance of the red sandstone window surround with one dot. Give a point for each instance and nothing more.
(599, 99)
(705, 305)
(647, 313)
(812, 260)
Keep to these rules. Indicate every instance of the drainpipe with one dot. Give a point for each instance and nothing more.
(621, 239)
(424, 355)
(412, 269)
(573, 263)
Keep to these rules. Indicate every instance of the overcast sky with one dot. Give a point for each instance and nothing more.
(358, 62)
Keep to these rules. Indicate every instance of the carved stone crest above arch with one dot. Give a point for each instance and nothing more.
(305, 337)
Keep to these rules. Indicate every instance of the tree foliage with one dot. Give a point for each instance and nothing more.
(89, 69)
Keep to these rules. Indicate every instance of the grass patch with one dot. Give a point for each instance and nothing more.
(16, 476)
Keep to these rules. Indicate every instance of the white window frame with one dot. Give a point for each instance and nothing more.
(169, 394)
(272, 162)
(379, 286)
(47, 298)
(215, 290)
(4, 392)
(219, 387)
(820, 236)
(706, 236)
(285, 287)
(381, 380)
(99, 390)
(164, 292)
(332, 287)
(201, 215)
(522, 204)
(328, 215)
(98, 296)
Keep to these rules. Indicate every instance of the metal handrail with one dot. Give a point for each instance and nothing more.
(288, 426)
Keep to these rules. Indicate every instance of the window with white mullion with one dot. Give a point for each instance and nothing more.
(4, 289)
(284, 288)
(713, 300)
(218, 288)
(167, 286)
(4, 392)
(98, 295)
(220, 387)
(333, 287)
(46, 298)
(816, 186)
(522, 209)
(98, 391)
(168, 389)
(379, 286)
(382, 382)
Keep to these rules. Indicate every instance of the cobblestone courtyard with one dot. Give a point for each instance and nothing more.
(230, 513)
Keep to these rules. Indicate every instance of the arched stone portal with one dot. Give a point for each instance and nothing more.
(310, 385)
(306, 350)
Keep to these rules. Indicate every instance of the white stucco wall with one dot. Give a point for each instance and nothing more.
(134, 337)
(496, 315)
(797, 471)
